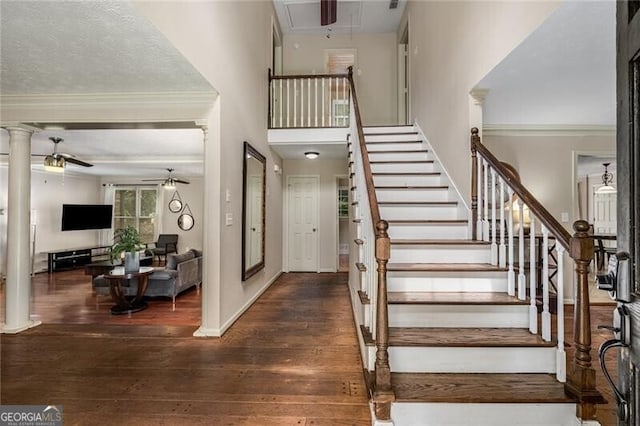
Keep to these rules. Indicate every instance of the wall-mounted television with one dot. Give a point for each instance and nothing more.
(76, 217)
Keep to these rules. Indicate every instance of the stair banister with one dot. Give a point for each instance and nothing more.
(580, 377)
(383, 394)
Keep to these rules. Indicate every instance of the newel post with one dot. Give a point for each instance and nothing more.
(581, 377)
(270, 101)
(383, 394)
(474, 182)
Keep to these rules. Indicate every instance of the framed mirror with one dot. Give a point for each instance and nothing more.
(175, 205)
(185, 220)
(253, 211)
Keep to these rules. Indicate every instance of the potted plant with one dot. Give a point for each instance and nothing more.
(127, 240)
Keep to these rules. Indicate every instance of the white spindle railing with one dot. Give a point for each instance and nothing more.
(522, 251)
(309, 101)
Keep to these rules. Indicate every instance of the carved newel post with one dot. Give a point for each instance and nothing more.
(474, 182)
(581, 377)
(383, 394)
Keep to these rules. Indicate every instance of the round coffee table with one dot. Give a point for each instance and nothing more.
(117, 279)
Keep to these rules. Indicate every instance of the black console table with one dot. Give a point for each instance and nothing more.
(73, 258)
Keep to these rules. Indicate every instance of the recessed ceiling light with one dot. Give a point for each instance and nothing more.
(311, 155)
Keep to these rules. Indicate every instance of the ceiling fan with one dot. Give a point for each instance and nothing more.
(170, 181)
(57, 161)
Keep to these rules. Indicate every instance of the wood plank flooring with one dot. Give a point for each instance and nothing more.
(291, 359)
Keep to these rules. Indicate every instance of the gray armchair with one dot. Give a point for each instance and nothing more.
(167, 243)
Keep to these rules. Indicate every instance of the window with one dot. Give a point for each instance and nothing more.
(343, 203)
(341, 113)
(136, 206)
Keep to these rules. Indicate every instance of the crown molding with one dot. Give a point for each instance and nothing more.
(106, 107)
(548, 130)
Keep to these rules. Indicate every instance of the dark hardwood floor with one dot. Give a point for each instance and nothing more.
(291, 359)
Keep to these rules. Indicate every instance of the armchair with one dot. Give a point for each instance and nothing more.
(167, 243)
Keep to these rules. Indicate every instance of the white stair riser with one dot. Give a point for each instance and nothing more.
(455, 316)
(388, 129)
(502, 414)
(472, 360)
(403, 167)
(395, 146)
(434, 281)
(414, 195)
(391, 138)
(396, 156)
(404, 180)
(439, 254)
(436, 212)
(425, 231)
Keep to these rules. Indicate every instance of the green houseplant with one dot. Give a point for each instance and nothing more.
(127, 241)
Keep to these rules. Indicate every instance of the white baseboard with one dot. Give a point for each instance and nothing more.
(327, 270)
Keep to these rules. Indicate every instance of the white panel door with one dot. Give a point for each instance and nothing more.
(303, 192)
(604, 213)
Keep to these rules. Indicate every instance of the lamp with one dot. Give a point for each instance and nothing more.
(311, 155)
(54, 164)
(169, 184)
(607, 180)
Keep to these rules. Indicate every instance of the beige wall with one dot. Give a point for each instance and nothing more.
(229, 42)
(376, 83)
(452, 45)
(328, 170)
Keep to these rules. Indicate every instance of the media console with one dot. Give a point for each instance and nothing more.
(73, 258)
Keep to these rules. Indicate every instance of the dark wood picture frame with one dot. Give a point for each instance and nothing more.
(251, 266)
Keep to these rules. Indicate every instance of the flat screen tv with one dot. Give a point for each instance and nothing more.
(76, 217)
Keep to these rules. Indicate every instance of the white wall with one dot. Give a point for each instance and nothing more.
(229, 43)
(452, 45)
(376, 81)
(328, 170)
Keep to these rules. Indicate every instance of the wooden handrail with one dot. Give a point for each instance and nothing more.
(383, 394)
(296, 76)
(555, 228)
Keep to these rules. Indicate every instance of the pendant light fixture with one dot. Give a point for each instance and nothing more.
(607, 180)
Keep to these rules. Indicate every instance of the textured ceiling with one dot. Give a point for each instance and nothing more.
(63, 47)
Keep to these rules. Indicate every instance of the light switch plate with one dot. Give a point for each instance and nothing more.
(227, 196)
(564, 217)
(228, 219)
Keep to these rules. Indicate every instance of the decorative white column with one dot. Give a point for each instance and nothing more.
(212, 211)
(18, 285)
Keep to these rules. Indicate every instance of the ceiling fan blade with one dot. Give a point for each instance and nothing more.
(180, 181)
(64, 155)
(328, 9)
(77, 162)
(153, 180)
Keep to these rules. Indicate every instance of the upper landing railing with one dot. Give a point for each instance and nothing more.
(309, 101)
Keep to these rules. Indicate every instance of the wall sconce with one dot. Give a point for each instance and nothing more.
(607, 180)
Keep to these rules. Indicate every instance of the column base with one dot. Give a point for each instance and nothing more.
(17, 329)
(206, 332)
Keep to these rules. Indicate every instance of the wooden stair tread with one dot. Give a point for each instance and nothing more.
(364, 297)
(465, 337)
(361, 267)
(416, 187)
(444, 267)
(452, 298)
(406, 174)
(358, 241)
(418, 203)
(402, 162)
(427, 221)
(478, 388)
(413, 151)
(366, 335)
(440, 242)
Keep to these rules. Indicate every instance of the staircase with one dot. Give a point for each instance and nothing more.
(460, 347)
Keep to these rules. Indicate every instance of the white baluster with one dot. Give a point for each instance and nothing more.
(479, 191)
(494, 245)
(502, 249)
(272, 92)
(561, 356)
(546, 315)
(323, 96)
(533, 309)
(330, 104)
(485, 216)
(511, 275)
(522, 283)
(308, 102)
(316, 102)
(281, 102)
(288, 102)
(295, 103)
